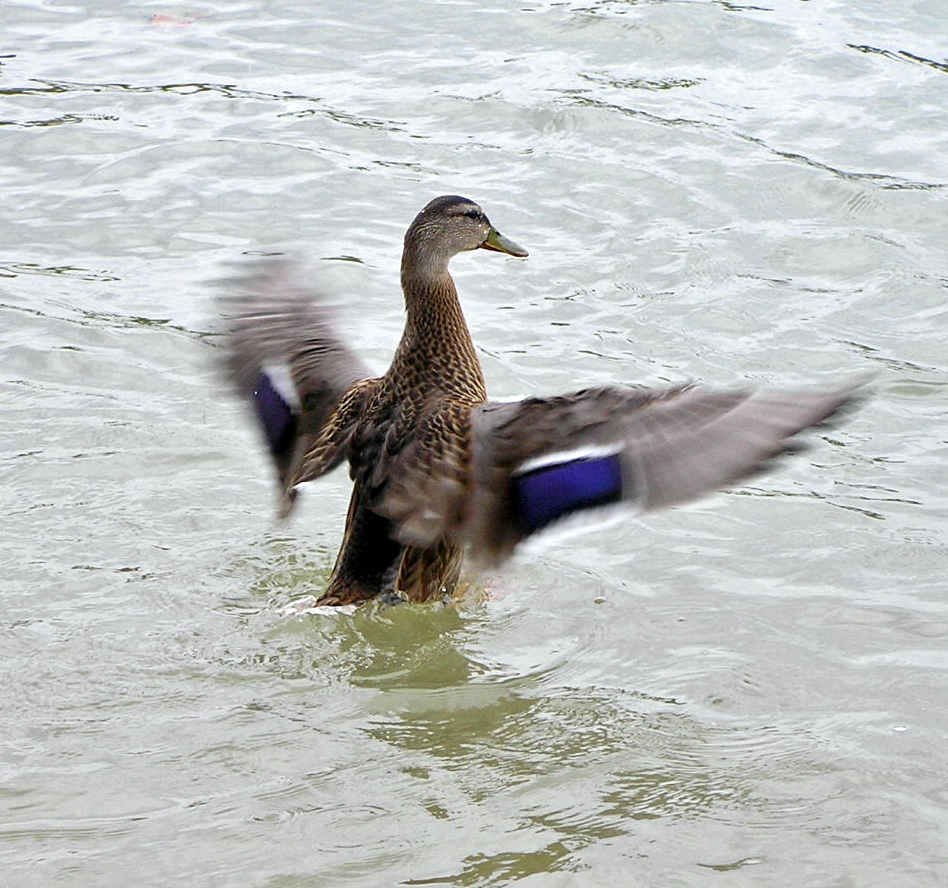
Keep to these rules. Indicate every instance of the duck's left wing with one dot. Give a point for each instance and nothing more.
(306, 386)
(536, 461)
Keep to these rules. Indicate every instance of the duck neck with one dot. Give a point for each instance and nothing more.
(436, 343)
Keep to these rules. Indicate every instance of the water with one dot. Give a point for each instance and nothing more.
(749, 691)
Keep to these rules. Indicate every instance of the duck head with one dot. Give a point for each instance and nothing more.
(449, 225)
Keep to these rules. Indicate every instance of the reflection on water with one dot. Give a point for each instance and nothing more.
(562, 768)
(752, 686)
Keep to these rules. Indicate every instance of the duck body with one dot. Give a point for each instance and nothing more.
(438, 471)
(433, 383)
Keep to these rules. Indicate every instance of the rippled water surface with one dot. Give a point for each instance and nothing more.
(747, 692)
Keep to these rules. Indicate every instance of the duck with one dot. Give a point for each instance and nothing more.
(443, 476)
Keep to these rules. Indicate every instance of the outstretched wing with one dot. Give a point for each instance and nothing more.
(536, 461)
(306, 387)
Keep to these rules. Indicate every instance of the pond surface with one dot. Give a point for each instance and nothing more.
(751, 691)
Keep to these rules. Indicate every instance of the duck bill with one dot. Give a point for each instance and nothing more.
(500, 244)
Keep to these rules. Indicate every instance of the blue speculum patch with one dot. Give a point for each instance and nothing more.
(547, 493)
(275, 415)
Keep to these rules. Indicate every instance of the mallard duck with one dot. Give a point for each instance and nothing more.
(438, 470)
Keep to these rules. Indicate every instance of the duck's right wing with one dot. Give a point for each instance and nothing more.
(509, 470)
(306, 387)
(541, 460)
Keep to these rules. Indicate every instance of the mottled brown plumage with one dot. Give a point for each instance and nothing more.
(436, 469)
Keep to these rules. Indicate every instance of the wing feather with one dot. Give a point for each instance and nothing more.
(533, 462)
(306, 386)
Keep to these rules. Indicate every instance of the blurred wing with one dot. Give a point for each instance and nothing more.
(306, 387)
(536, 461)
(641, 447)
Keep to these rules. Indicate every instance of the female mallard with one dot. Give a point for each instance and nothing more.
(438, 469)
